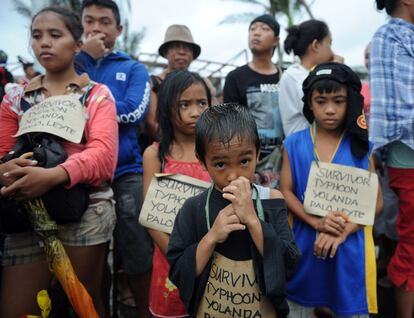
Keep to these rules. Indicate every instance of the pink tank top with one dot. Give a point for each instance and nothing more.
(164, 296)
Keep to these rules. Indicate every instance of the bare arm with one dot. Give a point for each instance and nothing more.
(205, 249)
(152, 165)
(151, 124)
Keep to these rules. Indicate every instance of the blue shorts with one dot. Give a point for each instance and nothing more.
(132, 241)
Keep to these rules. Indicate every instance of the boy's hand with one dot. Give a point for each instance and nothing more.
(226, 222)
(239, 192)
(332, 223)
(327, 244)
(95, 45)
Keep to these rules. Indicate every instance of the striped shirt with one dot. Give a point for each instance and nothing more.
(392, 84)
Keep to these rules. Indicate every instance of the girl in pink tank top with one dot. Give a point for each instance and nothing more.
(182, 97)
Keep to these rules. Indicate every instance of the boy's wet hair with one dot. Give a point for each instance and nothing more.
(223, 122)
(174, 84)
(301, 36)
(105, 4)
(70, 18)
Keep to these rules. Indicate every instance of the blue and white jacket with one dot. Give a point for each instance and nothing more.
(128, 81)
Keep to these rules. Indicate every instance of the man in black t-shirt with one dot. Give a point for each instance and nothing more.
(255, 85)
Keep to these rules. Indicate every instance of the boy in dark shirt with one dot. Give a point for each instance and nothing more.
(231, 249)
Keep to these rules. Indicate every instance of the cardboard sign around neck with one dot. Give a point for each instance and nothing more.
(232, 290)
(63, 116)
(333, 187)
(165, 196)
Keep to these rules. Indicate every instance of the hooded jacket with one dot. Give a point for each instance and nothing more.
(128, 81)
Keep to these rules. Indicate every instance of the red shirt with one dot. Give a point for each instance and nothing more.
(92, 162)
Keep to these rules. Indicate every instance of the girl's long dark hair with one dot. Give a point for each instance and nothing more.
(301, 36)
(70, 18)
(174, 84)
(388, 5)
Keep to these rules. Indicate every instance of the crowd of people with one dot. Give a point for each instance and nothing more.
(246, 246)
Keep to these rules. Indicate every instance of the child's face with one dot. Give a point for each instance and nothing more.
(226, 163)
(52, 42)
(101, 20)
(329, 109)
(262, 37)
(193, 101)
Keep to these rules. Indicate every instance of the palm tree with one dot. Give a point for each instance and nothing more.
(130, 39)
(27, 10)
(277, 8)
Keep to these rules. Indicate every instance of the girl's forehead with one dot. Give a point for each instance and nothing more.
(236, 143)
(48, 19)
(194, 88)
(340, 91)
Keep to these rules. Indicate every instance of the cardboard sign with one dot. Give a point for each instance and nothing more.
(232, 291)
(333, 187)
(165, 196)
(63, 116)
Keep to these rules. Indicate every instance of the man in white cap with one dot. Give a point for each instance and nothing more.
(180, 50)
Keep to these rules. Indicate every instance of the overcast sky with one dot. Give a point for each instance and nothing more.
(352, 23)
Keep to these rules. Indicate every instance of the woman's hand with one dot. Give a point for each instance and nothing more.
(32, 182)
(6, 177)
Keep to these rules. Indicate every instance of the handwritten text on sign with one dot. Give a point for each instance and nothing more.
(333, 187)
(165, 196)
(232, 291)
(63, 116)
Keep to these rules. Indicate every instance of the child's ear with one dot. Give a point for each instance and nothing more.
(315, 45)
(79, 45)
(276, 42)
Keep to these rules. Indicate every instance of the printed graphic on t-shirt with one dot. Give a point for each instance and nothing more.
(263, 103)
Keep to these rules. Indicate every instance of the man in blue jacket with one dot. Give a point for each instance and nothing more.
(128, 82)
